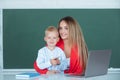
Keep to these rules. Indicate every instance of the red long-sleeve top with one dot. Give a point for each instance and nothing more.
(75, 66)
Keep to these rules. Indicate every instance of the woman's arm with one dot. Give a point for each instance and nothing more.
(75, 66)
(41, 71)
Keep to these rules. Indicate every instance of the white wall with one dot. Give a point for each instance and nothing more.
(1, 55)
(42, 4)
(60, 4)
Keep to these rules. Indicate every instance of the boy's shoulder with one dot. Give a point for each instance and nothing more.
(59, 49)
(42, 49)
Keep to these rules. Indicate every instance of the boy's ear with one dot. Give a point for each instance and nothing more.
(45, 38)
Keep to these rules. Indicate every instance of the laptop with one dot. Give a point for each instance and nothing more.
(98, 63)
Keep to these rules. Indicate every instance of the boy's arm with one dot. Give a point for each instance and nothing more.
(43, 71)
(41, 63)
(63, 61)
(63, 65)
(42, 68)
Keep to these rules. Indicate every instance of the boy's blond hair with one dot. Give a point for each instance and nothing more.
(51, 29)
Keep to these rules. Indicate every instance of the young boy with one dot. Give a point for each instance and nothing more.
(51, 56)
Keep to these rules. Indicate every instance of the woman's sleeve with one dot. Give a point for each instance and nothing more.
(75, 66)
(41, 71)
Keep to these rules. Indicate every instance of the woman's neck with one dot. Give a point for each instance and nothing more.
(66, 42)
(67, 48)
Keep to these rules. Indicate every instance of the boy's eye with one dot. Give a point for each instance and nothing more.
(60, 28)
(48, 37)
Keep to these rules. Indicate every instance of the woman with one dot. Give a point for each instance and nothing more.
(73, 44)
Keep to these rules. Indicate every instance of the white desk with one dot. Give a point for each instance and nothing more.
(109, 76)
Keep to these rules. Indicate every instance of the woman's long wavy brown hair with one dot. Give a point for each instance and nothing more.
(76, 38)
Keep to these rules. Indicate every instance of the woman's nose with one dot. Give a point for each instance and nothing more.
(62, 30)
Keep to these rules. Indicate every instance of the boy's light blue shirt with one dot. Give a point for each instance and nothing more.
(44, 56)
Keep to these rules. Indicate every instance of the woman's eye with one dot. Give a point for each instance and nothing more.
(66, 28)
(60, 28)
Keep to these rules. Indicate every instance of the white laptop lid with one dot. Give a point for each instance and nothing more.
(98, 62)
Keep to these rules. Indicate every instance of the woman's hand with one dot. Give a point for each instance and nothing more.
(52, 72)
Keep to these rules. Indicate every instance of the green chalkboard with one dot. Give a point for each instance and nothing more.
(23, 32)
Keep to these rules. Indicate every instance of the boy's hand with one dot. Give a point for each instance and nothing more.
(55, 61)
